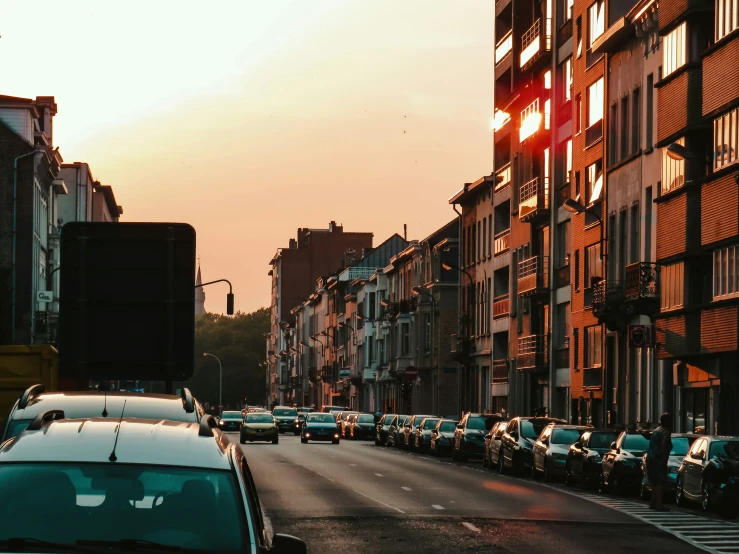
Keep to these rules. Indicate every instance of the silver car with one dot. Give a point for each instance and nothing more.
(550, 450)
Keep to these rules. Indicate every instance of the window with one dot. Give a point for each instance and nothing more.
(480, 239)
(635, 119)
(726, 139)
(613, 134)
(577, 270)
(726, 272)
(371, 306)
(406, 339)
(577, 113)
(596, 22)
(593, 265)
(427, 332)
(567, 80)
(674, 50)
(578, 37)
(576, 344)
(593, 346)
(673, 171)
(727, 17)
(474, 244)
(595, 102)
(371, 349)
(635, 224)
(594, 183)
(673, 283)
(650, 109)
(568, 161)
(624, 130)
(490, 235)
(488, 304)
(568, 5)
(484, 236)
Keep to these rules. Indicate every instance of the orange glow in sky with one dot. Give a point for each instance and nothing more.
(249, 119)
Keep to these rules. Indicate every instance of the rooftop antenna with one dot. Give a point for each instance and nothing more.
(113, 457)
(405, 231)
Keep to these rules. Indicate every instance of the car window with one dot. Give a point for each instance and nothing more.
(725, 449)
(388, 419)
(366, 418)
(680, 446)
(429, 423)
(447, 426)
(480, 422)
(532, 429)
(565, 436)
(635, 442)
(259, 418)
(231, 415)
(602, 440)
(319, 418)
(284, 412)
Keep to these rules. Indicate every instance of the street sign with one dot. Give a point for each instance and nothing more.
(45, 296)
(411, 372)
(344, 372)
(641, 336)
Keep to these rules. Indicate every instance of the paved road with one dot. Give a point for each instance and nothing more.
(356, 497)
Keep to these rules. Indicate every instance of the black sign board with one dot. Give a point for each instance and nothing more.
(127, 301)
(641, 336)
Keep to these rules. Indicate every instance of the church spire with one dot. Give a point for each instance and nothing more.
(199, 293)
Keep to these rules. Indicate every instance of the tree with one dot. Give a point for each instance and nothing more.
(238, 342)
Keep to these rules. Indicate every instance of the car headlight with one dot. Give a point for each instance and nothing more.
(336, 435)
(307, 435)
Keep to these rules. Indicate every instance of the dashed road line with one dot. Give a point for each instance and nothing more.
(406, 488)
(379, 474)
(379, 501)
(470, 527)
(438, 506)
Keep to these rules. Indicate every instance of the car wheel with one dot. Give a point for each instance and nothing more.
(242, 440)
(603, 488)
(275, 440)
(454, 454)
(705, 496)
(297, 433)
(335, 441)
(568, 477)
(643, 492)
(534, 473)
(501, 463)
(485, 459)
(545, 474)
(378, 442)
(304, 441)
(679, 496)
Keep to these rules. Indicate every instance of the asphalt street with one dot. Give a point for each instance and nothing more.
(357, 497)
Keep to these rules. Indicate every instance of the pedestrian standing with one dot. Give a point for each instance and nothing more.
(658, 455)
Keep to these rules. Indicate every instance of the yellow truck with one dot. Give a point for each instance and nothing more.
(22, 366)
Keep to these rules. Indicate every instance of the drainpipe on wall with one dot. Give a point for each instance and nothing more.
(15, 242)
(459, 307)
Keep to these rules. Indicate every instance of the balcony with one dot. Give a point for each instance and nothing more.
(594, 133)
(533, 352)
(641, 282)
(504, 47)
(501, 306)
(564, 33)
(502, 242)
(562, 277)
(534, 202)
(500, 371)
(505, 177)
(609, 306)
(536, 42)
(592, 378)
(614, 302)
(533, 276)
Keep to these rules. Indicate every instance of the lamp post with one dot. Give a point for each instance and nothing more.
(220, 378)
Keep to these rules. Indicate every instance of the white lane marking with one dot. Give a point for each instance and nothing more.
(470, 527)
(353, 465)
(379, 501)
(438, 506)
(406, 488)
(319, 474)
(379, 474)
(452, 502)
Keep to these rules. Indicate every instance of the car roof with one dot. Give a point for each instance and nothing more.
(140, 441)
(85, 404)
(569, 426)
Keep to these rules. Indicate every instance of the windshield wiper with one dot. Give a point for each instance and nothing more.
(15, 544)
(137, 545)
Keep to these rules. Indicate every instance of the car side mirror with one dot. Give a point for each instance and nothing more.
(514, 435)
(487, 437)
(613, 446)
(287, 544)
(459, 427)
(578, 445)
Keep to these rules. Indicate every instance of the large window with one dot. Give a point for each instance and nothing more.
(593, 265)
(595, 102)
(406, 339)
(674, 50)
(673, 286)
(726, 272)
(673, 171)
(593, 346)
(726, 139)
(727, 17)
(567, 78)
(596, 22)
(594, 182)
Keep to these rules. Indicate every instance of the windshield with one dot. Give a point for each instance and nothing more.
(602, 440)
(259, 418)
(320, 418)
(636, 442)
(284, 412)
(430, 424)
(565, 436)
(387, 420)
(366, 418)
(482, 423)
(448, 427)
(231, 415)
(725, 449)
(67, 503)
(532, 429)
(680, 446)
(17, 427)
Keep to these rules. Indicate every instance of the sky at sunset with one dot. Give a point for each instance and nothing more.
(249, 119)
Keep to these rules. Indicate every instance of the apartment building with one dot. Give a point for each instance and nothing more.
(697, 213)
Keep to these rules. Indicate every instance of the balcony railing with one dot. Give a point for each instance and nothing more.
(502, 242)
(564, 33)
(533, 275)
(562, 277)
(533, 352)
(505, 177)
(594, 133)
(501, 306)
(534, 199)
(642, 281)
(504, 47)
(605, 291)
(535, 42)
(500, 371)
(592, 378)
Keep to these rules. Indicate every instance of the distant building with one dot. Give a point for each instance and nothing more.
(199, 294)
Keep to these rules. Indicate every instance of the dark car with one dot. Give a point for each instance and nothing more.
(346, 423)
(259, 427)
(395, 433)
(711, 464)
(383, 428)
(621, 467)
(422, 435)
(230, 421)
(319, 427)
(491, 457)
(550, 450)
(442, 437)
(584, 457)
(287, 419)
(362, 427)
(681, 443)
(410, 427)
(518, 441)
(469, 437)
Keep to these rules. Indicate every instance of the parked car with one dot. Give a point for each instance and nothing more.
(410, 428)
(711, 464)
(550, 450)
(346, 423)
(259, 426)
(332, 409)
(681, 443)
(68, 483)
(442, 437)
(422, 435)
(585, 456)
(286, 417)
(305, 410)
(491, 455)
(518, 441)
(394, 434)
(383, 428)
(362, 427)
(319, 427)
(621, 467)
(469, 437)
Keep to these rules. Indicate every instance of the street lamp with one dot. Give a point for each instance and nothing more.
(678, 152)
(344, 325)
(220, 378)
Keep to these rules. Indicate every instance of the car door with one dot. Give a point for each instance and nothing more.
(610, 457)
(694, 470)
(459, 433)
(496, 441)
(540, 448)
(578, 455)
(506, 449)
